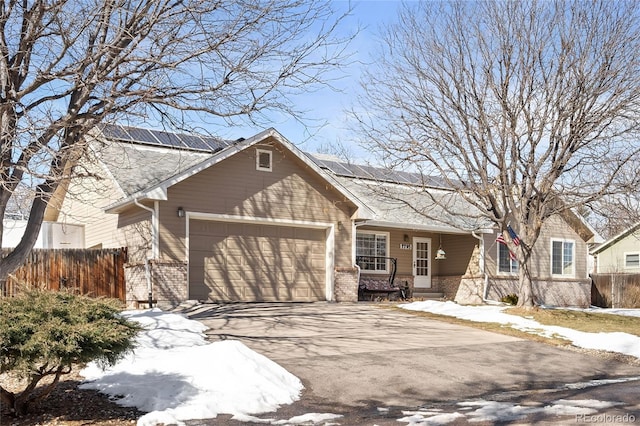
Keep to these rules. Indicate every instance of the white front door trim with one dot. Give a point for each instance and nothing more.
(421, 264)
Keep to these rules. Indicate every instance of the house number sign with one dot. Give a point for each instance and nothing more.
(405, 246)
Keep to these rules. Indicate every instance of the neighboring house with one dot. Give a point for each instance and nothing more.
(52, 235)
(259, 220)
(620, 254)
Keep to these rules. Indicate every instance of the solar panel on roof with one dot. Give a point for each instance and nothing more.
(356, 171)
(142, 135)
(193, 142)
(318, 161)
(115, 132)
(396, 176)
(339, 168)
(166, 138)
(412, 178)
(213, 143)
(378, 174)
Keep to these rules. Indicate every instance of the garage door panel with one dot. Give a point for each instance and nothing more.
(207, 243)
(287, 232)
(208, 228)
(256, 262)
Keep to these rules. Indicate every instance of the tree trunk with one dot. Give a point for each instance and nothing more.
(525, 298)
(18, 255)
(7, 398)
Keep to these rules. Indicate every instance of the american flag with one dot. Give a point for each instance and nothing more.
(513, 235)
(501, 240)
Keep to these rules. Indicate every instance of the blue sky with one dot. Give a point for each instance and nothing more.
(329, 106)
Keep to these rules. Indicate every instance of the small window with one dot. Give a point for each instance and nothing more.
(632, 260)
(562, 258)
(263, 160)
(506, 264)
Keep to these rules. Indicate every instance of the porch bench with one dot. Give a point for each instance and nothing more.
(373, 288)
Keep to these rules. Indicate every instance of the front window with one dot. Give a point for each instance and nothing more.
(562, 257)
(506, 263)
(371, 250)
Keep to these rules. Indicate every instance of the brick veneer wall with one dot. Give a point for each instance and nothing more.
(168, 280)
(346, 285)
(447, 285)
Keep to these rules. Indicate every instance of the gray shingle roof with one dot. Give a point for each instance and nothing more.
(139, 159)
(412, 205)
(136, 167)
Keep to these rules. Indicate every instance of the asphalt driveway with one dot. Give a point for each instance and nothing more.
(358, 356)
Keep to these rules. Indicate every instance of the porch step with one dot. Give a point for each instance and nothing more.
(427, 294)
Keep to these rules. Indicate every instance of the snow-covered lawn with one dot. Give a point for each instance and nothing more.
(615, 342)
(175, 375)
(495, 411)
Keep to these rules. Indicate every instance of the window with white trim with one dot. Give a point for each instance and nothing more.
(562, 257)
(263, 160)
(506, 265)
(632, 260)
(371, 249)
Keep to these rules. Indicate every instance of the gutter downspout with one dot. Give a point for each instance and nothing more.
(483, 267)
(154, 248)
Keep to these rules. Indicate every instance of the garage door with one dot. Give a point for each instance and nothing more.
(248, 262)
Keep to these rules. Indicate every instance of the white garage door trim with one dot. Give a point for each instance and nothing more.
(328, 227)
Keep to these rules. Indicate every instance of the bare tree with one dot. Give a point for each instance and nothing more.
(526, 108)
(614, 214)
(66, 66)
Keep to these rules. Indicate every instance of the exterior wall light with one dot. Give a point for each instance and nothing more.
(440, 254)
(180, 212)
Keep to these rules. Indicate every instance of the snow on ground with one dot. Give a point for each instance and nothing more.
(495, 411)
(625, 343)
(175, 375)
(625, 312)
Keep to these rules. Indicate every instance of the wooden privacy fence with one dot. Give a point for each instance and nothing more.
(615, 290)
(98, 272)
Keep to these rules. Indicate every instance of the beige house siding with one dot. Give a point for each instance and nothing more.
(134, 231)
(612, 259)
(458, 250)
(84, 204)
(290, 192)
(555, 228)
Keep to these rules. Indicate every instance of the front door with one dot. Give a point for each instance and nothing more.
(422, 262)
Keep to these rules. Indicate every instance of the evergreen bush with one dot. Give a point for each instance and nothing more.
(511, 299)
(44, 333)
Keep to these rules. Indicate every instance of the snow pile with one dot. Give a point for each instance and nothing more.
(495, 411)
(616, 342)
(174, 374)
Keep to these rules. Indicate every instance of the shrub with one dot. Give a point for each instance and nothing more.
(43, 333)
(511, 299)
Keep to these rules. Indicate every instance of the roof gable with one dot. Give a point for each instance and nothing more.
(189, 162)
(612, 241)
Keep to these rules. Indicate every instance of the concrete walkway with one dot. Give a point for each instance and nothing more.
(361, 355)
